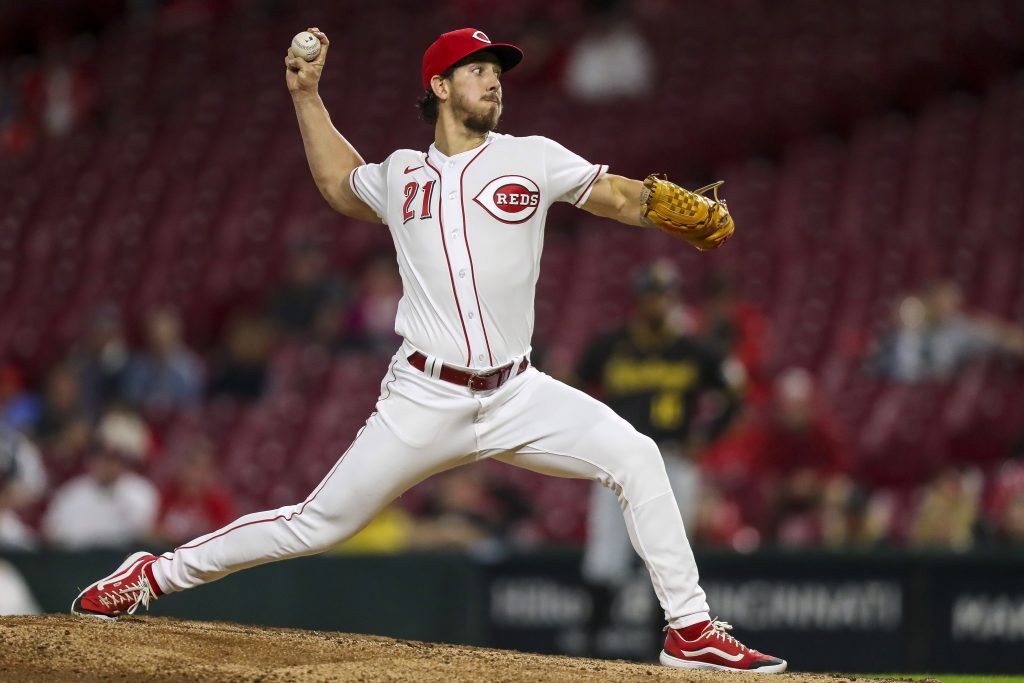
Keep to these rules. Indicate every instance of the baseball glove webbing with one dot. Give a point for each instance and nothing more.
(702, 221)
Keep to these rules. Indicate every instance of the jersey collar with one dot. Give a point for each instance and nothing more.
(438, 158)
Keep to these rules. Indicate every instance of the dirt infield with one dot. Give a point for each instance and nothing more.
(64, 648)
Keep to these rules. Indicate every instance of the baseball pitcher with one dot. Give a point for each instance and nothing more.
(467, 219)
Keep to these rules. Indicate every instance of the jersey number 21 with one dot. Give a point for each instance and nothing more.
(411, 190)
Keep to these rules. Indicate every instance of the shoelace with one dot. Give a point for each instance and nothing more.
(720, 629)
(138, 593)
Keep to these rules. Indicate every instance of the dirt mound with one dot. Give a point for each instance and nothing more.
(62, 648)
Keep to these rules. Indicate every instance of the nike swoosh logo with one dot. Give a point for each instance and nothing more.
(713, 651)
(411, 169)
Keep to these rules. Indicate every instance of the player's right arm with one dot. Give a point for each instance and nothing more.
(331, 157)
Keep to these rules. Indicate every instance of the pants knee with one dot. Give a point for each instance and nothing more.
(646, 475)
(633, 463)
(319, 532)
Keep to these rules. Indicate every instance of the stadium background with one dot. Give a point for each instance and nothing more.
(150, 162)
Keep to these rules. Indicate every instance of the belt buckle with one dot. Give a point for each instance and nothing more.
(473, 376)
(480, 375)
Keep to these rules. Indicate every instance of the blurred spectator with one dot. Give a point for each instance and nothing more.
(22, 483)
(65, 87)
(15, 596)
(853, 517)
(391, 531)
(307, 294)
(957, 336)
(1006, 507)
(19, 409)
(102, 361)
(109, 506)
(239, 369)
(466, 511)
(463, 509)
(946, 516)
(612, 60)
(899, 354)
(168, 374)
(330, 329)
(1010, 520)
(934, 338)
(194, 503)
(734, 327)
(376, 305)
(17, 131)
(798, 452)
(719, 523)
(63, 428)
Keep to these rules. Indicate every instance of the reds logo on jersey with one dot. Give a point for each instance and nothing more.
(510, 198)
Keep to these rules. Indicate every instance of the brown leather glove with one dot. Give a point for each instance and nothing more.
(702, 221)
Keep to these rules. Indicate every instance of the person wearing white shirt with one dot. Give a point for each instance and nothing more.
(467, 220)
(109, 506)
(15, 596)
(22, 483)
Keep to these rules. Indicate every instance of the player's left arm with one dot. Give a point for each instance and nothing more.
(702, 221)
(618, 198)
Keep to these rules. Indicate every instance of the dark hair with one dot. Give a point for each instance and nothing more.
(428, 103)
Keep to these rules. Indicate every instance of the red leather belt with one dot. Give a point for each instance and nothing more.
(477, 381)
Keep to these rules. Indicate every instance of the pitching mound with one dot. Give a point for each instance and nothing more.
(63, 648)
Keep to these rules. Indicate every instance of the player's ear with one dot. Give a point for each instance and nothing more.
(440, 87)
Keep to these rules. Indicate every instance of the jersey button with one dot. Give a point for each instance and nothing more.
(455, 233)
(480, 358)
(472, 315)
(462, 273)
(451, 195)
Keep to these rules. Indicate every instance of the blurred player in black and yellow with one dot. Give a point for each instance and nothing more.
(671, 386)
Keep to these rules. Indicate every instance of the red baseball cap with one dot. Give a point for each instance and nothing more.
(455, 45)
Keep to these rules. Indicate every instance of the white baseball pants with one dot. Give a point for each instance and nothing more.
(607, 556)
(422, 426)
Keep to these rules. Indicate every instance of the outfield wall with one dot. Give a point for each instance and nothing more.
(838, 612)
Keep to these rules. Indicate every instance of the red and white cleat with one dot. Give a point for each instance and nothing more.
(715, 649)
(121, 593)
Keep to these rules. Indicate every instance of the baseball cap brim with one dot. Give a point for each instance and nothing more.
(455, 46)
(508, 55)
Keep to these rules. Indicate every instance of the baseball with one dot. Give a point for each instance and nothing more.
(305, 45)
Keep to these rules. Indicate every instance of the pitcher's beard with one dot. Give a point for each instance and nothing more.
(481, 123)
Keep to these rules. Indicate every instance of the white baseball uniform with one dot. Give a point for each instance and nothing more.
(468, 231)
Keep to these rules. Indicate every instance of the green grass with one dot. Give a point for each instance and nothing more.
(952, 678)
